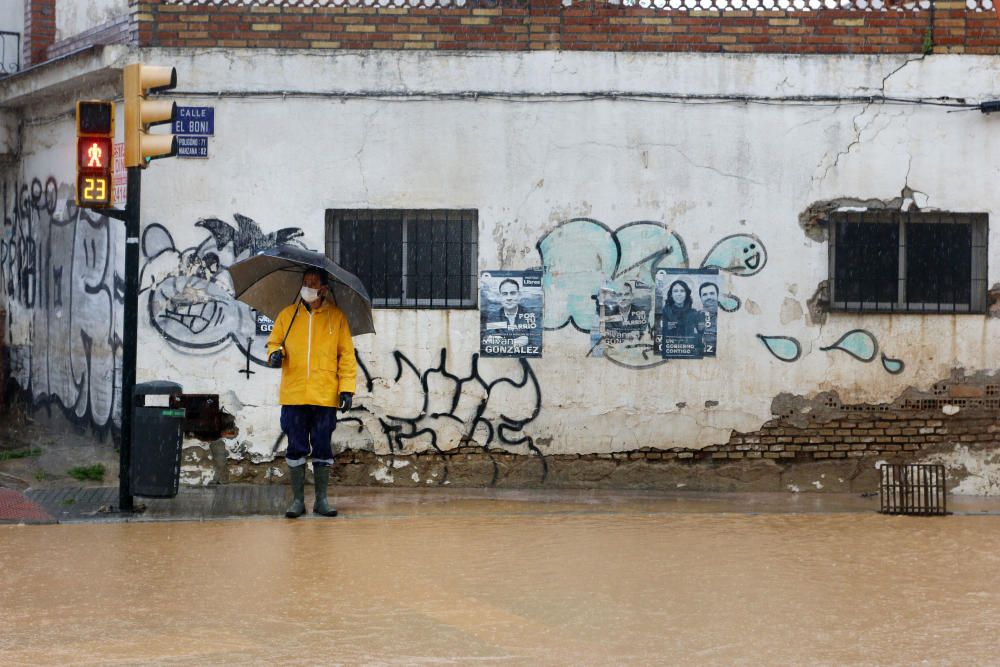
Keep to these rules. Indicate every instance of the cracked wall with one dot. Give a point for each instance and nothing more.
(558, 145)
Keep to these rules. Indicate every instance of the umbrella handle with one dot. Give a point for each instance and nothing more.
(289, 329)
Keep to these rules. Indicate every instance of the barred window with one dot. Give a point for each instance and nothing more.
(894, 261)
(409, 258)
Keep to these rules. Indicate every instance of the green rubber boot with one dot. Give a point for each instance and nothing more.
(321, 478)
(297, 475)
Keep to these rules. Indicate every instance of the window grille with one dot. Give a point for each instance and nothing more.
(409, 258)
(894, 261)
(10, 52)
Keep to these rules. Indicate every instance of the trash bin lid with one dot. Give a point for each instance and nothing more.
(157, 387)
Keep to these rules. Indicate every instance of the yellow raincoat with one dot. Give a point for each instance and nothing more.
(319, 360)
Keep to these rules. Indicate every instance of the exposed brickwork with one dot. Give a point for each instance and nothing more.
(816, 444)
(39, 30)
(586, 26)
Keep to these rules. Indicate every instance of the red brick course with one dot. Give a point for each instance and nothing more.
(583, 26)
(39, 30)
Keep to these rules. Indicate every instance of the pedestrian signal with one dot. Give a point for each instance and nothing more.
(95, 131)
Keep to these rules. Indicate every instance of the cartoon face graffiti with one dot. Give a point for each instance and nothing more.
(751, 256)
(190, 298)
(197, 313)
(740, 254)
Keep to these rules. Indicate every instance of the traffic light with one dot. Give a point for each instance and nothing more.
(95, 131)
(142, 113)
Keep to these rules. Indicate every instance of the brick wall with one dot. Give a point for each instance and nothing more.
(39, 30)
(548, 25)
(811, 444)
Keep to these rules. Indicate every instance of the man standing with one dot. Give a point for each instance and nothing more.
(311, 342)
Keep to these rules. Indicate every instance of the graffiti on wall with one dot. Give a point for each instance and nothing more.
(582, 255)
(857, 343)
(435, 410)
(583, 258)
(61, 270)
(187, 293)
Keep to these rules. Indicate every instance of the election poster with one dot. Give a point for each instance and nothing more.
(687, 302)
(510, 307)
(623, 327)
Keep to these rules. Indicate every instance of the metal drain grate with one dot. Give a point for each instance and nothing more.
(913, 488)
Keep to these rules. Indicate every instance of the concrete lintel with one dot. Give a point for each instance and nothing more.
(81, 70)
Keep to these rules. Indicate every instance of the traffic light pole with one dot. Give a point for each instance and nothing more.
(130, 333)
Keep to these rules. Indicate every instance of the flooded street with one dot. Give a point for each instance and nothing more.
(490, 582)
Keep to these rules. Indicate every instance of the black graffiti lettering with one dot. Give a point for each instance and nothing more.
(60, 270)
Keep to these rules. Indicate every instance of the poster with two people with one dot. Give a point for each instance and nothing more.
(687, 312)
(674, 318)
(510, 306)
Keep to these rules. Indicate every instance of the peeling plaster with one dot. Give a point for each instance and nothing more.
(979, 470)
(818, 304)
(791, 311)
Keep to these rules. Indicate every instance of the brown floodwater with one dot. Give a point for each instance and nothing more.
(490, 585)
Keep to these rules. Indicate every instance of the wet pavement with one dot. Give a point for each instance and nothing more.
(512, 577)
(67, 504)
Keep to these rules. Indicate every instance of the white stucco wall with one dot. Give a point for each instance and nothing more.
(74, 17)
(11, 20)
(12, 15)
(529, 164)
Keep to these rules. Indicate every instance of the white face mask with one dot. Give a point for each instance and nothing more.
(309, 294)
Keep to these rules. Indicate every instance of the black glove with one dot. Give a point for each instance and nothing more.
(274, 361)
(345, 400)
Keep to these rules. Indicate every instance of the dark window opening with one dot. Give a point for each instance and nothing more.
(409, 258)
(908, 262)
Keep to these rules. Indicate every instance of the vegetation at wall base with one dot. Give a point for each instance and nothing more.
(93, 473)
(20, 453)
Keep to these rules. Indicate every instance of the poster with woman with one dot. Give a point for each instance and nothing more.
(687, 324)
(510, 307)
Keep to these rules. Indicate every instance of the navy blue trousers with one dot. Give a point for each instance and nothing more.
(309, 429)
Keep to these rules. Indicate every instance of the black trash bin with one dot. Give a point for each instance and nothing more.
(157, 432)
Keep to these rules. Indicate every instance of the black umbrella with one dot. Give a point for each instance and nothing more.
(271, 279)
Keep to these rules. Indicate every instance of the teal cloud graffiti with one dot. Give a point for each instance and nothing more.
(583, 256)
(739, 254)
(894, 366)
(784, 348)
(858, 343)
(581, 253)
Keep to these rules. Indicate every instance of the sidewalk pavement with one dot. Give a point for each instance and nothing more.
(17, 508)
(97, 504)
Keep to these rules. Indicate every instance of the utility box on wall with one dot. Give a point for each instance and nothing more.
(157, 431)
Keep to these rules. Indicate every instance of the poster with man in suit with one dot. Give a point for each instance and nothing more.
(622, 328)
(510, 306)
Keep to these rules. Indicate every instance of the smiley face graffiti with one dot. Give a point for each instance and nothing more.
(739, 254)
